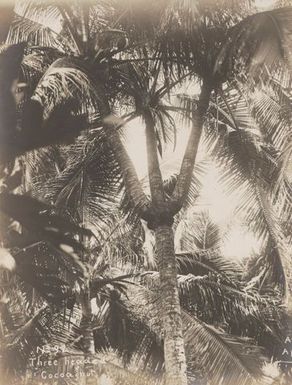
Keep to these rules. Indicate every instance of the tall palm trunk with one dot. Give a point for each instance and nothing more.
(174, 351)
(161, 222)
(159, 213)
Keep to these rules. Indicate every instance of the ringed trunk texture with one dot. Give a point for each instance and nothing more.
(174, 351)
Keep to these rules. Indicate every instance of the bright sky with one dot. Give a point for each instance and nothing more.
(240, 242)
(264, 5)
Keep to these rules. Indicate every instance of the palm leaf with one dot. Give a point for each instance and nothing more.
(89, 183)
(222, 303)
(114, 327)
(43, 224)
(35, 62)
(199, 232)
(45, 327)
(269, 33)
(202, 262)
(220, 358)
(32, 32)
(42, 131)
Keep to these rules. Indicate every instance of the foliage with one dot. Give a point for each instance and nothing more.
(133, 61)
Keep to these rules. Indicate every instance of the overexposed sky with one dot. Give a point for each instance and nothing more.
(264, 5)
(240, 242)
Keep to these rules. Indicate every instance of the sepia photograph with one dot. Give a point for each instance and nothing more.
(145, 192)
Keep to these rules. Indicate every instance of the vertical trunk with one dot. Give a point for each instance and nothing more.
(159, 216)
(174, 352)
(132, 184)
(161, 222)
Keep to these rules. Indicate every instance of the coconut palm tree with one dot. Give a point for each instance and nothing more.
(255, 154)
(207, 46)
(191, 264)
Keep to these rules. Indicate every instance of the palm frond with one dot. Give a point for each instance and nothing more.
(203, 262)
(45, 327)
(33, 33)
(90, 181)
(114, 327)
(11, 314)
(230, 360)
(199, 232)
(65, 79)
(35, 62)
(40, 131)
(226, 304)
(268, 31)
(272, 112)
(43, 224)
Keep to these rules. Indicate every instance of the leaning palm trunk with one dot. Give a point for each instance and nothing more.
(278, 243)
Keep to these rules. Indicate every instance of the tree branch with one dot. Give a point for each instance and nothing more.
(185, 176)
(154, 172)
(132, 183)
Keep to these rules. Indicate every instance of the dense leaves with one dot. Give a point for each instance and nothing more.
(129, 61)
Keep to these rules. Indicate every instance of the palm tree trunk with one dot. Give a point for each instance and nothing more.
(132, 184)
(174, 351)
(161, 222)
(154, 172)
(159, 217)
(187, 167)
